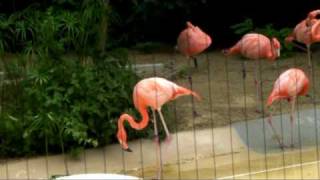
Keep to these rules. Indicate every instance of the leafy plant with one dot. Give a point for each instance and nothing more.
(243, 27)
(65, 104)
(50, 103)
(280, 34)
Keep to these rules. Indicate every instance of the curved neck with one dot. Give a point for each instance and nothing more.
(133, 123)
(273, 49)
(315, 35)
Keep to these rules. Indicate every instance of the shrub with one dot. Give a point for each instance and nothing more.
(65, 105)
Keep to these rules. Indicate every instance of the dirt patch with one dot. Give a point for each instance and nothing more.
(227, 97)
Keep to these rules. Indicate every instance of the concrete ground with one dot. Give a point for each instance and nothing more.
(220, 153)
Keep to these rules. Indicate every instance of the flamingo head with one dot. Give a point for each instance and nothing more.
(122, 134)
(189, 24)
(122, 138)
(276, 47)
(206, 39)
(315, 31)
(313, 14)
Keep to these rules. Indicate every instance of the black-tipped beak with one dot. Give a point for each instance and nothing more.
(128, 150)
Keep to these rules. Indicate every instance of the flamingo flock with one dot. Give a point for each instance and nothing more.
(154, 92)
(256, 46)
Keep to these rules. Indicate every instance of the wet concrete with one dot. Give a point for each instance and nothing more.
(220, 153)
(257, 135)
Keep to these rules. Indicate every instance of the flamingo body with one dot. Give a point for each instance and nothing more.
(290, 83)
(255, 46)
(192, 40)
(151, 92)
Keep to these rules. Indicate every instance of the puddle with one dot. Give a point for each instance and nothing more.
(264, 142)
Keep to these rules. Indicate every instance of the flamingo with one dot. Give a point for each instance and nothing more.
(192, 41)
(151, 92)
(307, 32)
(255, 46)
(289, 85)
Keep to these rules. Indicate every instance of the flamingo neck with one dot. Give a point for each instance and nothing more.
(122, 134)
(273, 53)
(314, 32)
(133, 123)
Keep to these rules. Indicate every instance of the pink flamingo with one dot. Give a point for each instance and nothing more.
(255, 46)
(192, 41)
(151, 92)
(307, 32)
(290, 84)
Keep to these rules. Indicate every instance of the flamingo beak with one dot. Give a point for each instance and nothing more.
(124, 146)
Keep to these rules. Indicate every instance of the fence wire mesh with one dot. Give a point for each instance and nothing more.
(225, 135)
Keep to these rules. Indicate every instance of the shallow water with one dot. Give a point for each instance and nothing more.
(291, 164)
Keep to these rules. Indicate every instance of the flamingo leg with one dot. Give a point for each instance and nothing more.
(257, 84)
(194, 112)
(292, 117)
(300, 47)
(244, 73)
(195, 62)
(169, 137)
(310, 70)
(156, 141)
(309, 56)
(275, 132)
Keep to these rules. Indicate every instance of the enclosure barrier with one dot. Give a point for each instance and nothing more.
(219, 137)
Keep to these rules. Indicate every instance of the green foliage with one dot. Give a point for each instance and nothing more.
(243, 27)
(67, 103)
(53, 30)
(50, 103)
(248, 26)
(280, 34)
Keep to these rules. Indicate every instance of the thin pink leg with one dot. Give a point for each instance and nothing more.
(309, 56)
(292, 117)
(257, 84)
(157, 143)
(169, 137)
(275, 132)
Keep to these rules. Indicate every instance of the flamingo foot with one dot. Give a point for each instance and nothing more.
(283, 146)
(196, 114)
(244, 74)
(292, 146)
(168, 139)
(156, 139)
(128, 150)
(259, 111)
